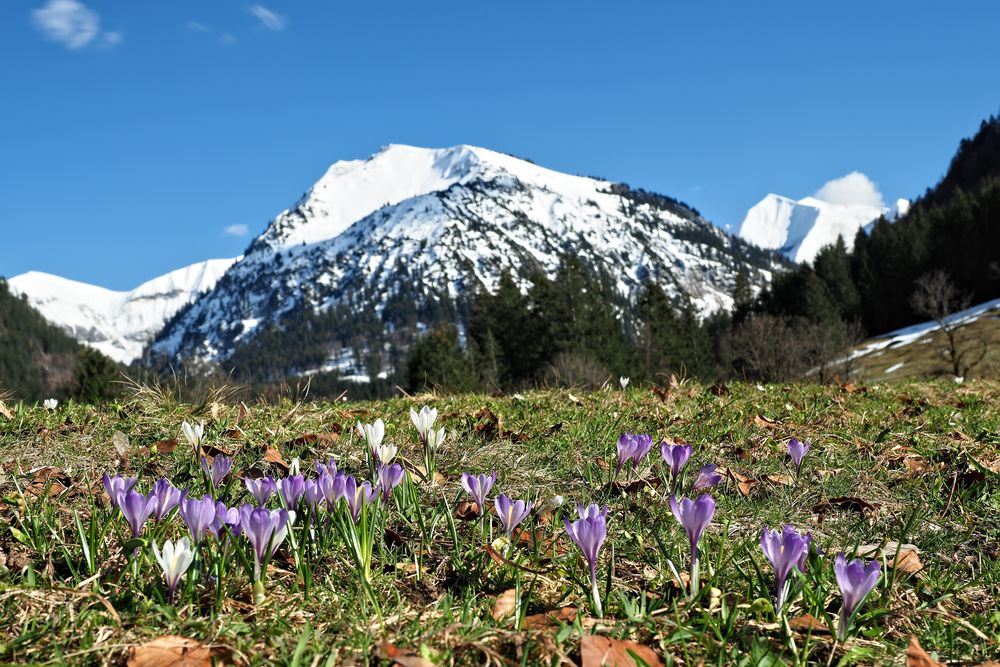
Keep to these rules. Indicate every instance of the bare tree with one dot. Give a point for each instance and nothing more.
(937, 297)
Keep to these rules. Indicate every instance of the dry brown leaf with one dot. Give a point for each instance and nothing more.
(550, 618)
(765, 422)
(174, 651)
(165, 446)
(5, 411)
(907, 560)
(272, 455)
(851, 503)
(916, 656)
(467, 510)
(403, 657)
(807, 623)
(504, 604)
(120, 442)
(782, 480)
(596, 651)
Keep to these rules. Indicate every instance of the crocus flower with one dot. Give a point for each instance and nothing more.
(225, 517)
(294, 466)
(632, 447)
(313, 494)
(797, 450)
(261, 489)
(676, 457)
(434, 439)
(218, 469)
(373, 435)
(785, 550)
(694, 516)
(329, 468)
(357, 496)
(50, 404)
(478, 486)
(167, 497)
(384, 453)
(423, 420)
(265, 530)
(198, 514)
(116, 487)
(194, 435)
(290, 489)
(707, 478)
(326, 483)
(588, 533)
(389, 477)
(137, 508)
(856, 580)
(623, 382)
(511, 512)
(175, 559)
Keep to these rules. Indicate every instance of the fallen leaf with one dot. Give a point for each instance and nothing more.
(272, 455)
(765, 422)
(851, 503)
(596, 651)
(783, 480)
(807, 623)
(916, 656)
(490, 425)
(120, 442)
(467, 510)
(550, 618)
(906, 560)
(5, 411)
(174, 651)
(403, 657)
(916, 466)
(165, 446)
(215, 409)
(662, 393)
(504, 604)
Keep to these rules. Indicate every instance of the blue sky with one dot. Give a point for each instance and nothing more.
(134, 134)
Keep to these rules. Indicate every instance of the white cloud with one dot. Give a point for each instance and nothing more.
(197, 26)
(228, 38)
(72, 24)
(236, 230)
(855, 188)
(271, 20)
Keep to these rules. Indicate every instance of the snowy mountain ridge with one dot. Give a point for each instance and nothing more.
(799, 229)
(119, 324)
(410, 234)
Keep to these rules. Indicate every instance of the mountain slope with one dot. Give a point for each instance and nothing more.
(799, 229)
(406, 237)
(118, 324)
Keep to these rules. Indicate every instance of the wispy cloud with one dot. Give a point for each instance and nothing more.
(271, 20)
(73, 24)
(855, 188)
(236, 230)
(197, 26)
(228, 38)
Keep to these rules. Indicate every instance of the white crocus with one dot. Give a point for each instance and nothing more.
(50, 404)
(623, 381)
(372, 433)
(385, 453)
(293, 467)
(193, 434)
(434, 439)
(423, 420)
(175, 559)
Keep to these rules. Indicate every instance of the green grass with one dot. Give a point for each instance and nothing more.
(925, 456)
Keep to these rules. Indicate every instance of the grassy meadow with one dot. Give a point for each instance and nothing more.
(906, 474)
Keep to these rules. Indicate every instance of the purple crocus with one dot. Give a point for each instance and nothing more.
(167, 497)
(389, 477)
(217, 469)
(856, 580)
(326, 483)
(358, 496)
(136, 508)
(632, 447)
(676, 457)
(261, 489)
(116, 487)
(707, 478)
(198, 514)
(290, 489)
(313, 494)
(265, 530)
(786, 550)
(511, 512)
(588, 533)
(329, 468)
(225, 518)
(797, 449)
(478, 486)
(694, 516)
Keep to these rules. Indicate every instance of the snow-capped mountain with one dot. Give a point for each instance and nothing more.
(119, 324)
(799, 229)
(430, 226)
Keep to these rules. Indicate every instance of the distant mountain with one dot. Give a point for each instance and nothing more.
(37, 359)
(380, 249)
(118, 324)
(799, 229)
